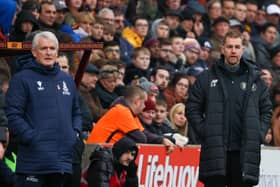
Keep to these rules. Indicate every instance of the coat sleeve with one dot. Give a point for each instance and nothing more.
(16, 104)
(196, 103)
(265, 108)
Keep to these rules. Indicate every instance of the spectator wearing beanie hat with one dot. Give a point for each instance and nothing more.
(191, 52)
(106, 84)
(149, 87)
(148, 113)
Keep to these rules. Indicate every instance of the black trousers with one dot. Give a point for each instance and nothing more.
(46, 180)
(233, 176)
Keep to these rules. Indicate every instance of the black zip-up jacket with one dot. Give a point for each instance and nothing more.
(208, 114)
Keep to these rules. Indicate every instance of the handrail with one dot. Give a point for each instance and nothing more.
(16, 48)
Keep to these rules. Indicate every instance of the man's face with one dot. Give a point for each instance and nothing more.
(192, 56)
(240, 12)
(112, 52)
(148, 116)
(173, 21)
(45, 52)
(60, 16)
(221, 29)
(141, 27)
(232, 49)
(103, 3)
(269, 35)
(204, 53)
(48, 14)
(109, 83)
(161, 78)
(252, 10)
(127, 157)
(161, 114)
(177, 46)
(89, 80)
(162, 31)
(228, 9)
(139, 103)
(142, 61)
(165, 53)
(119, 22)
(108, 18)
(173, 4)
(97, 31)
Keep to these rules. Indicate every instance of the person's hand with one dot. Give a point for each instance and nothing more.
(169, 145)
(2, 150)
(268, 136)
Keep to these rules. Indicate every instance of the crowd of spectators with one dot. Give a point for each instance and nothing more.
(159, 45)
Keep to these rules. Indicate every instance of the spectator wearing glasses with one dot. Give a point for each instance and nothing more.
(112, 50)
(136, 34)
(177, 90)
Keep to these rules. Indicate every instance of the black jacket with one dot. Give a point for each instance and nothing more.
(208, 113)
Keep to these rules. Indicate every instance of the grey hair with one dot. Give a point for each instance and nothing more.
(105, 11)
(47, 35)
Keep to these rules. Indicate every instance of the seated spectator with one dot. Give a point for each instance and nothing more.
(25, 23)
(140, 63)
(106, 84)
(177, 90)
(97, 30)
(117, 169)
(32, 6)
(136, 34)
(161, 77)
(106, 15)
(122, 120)
(84, 23)
(112, 50)
(178, 119)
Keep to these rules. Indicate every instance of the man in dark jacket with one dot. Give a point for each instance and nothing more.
(44, 116)
(230, 109)
(123, 170)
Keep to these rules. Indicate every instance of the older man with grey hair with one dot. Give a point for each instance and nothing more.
(43, 115)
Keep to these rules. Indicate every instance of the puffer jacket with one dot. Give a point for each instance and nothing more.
(207, 112)
(43, 113)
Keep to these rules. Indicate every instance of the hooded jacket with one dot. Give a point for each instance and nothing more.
(208, 112)
(43, 112)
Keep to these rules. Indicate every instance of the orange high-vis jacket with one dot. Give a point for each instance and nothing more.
(114, 125)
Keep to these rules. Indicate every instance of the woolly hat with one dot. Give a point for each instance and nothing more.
(122, 146)
(191, 44)
(92, 69)
(149, 105)
(148, 86)
(108, 71)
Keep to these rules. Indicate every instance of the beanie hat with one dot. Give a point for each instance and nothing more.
(191, 44)
(148, 86)
(122, 146)
(108, 71)
(149, 105)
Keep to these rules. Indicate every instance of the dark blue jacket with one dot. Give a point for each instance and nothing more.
(44, 116)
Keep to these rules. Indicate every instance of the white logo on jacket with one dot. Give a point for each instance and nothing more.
(213, 83)
(40, 87)
(65, 89)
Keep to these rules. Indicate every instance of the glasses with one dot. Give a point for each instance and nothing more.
(112, 50)
(182, 85)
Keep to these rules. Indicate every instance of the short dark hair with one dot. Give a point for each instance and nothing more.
(266, 26)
